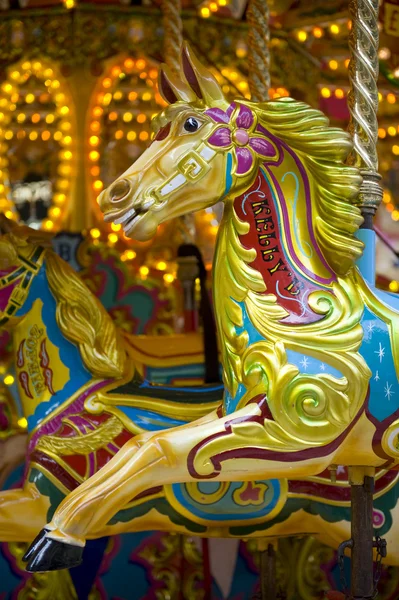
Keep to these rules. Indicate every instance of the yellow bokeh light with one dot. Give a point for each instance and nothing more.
(67, 155)
(395, 215)
(161, 265)
(144, 271)
(395, 150)
(57, 136)
(318, 32)
(394, 286)
(339, 93)
(95, 126)
(59, 198)
(95, 171)
(334, 29)
(140, 64)
(64, 110)
(55, 84)
(118, 95)
(132, 96)
(98, 185)
(131, 136)
(213, 6)
(67, 140)
(55, 212)
(115, 71)
(94, 155)
(130, 254)
(33, 135)
(391, 98)
(129, 63)
(153, 73)
(169, 278)
(302, 36)
(392, 130)
(95, 233)
(50, 119)
(127, 117)
(22, 422)
(9, 135)
(29, 98)
(97, 111)
(21, 118)
(113, 238)
(8, 380)
(333, 64)
(94, 140)
(346, 63)
(116, 227)
(205, 12)
(48, 224)
(107, 82)
(9, 214)
(146, 96)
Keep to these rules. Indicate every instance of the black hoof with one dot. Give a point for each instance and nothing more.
(35, 545)
(52, 555)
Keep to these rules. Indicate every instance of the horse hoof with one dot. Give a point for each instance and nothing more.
(52, 555)
(35, 545)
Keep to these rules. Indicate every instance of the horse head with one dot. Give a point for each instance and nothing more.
(198, 137)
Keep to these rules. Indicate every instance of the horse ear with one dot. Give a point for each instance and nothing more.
(199, 78)
(171, 89)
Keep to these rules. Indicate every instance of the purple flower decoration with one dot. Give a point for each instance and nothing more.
(240, 135)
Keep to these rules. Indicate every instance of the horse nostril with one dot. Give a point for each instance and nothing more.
(119, 190)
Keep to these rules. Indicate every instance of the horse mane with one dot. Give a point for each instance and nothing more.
(84, 321)
(323, 150)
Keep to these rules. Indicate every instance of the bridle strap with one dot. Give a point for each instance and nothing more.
(30, 267)
(192, 167)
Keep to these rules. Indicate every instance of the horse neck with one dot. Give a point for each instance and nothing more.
(44, 359)
(256, 265)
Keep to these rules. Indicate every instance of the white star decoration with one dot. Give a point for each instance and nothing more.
(323, 367)
(370, 327)
(305, 362)
(377, 377)
(380, 352)
(388, 390)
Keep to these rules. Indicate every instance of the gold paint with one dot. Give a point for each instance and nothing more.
(195, 493)
(85, 322)
(83, 444)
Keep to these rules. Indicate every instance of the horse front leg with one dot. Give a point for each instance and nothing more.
(224, 449)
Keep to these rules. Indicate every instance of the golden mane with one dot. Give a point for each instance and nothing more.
(323, 150)
(84, 321)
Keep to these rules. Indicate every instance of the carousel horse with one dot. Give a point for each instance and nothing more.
(310, 350)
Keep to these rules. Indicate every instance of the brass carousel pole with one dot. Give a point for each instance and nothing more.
(363, 106)
(259, 83)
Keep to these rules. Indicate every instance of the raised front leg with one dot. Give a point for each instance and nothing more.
(233, 448)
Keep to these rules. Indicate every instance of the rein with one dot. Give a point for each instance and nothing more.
(26, 273)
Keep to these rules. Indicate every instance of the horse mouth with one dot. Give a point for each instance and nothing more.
(130, 219)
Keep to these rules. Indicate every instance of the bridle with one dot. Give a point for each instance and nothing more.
(192, 167)
(25, 273)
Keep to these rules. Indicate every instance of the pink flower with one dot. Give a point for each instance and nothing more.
(241, 136)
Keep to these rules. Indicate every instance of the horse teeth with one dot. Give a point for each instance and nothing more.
(125, 217)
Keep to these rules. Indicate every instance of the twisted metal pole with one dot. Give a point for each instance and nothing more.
(363, 102)
(258, 50)
(173, 33)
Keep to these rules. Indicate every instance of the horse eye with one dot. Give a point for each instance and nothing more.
(191, 125)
